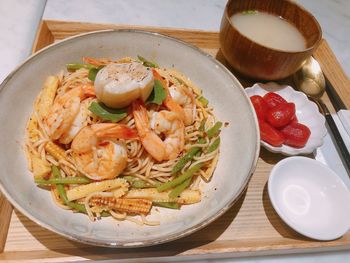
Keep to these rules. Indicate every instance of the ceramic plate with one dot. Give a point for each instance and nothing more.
(310, 198)
(306, 112)
(239, 144)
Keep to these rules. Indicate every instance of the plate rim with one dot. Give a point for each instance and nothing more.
(157, 241)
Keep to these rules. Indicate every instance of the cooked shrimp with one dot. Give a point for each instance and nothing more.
(98, 153)
(65, 109)
(77, 124)
(164, 122)
(171, 126)
(179, 100)
(185, 98)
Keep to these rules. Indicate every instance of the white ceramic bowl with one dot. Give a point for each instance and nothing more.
(310, 198)
(306, 112)
(239, 145)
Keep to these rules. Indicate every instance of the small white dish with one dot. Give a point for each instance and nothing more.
(306, 112)
(310, 198)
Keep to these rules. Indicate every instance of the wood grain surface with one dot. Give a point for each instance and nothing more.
(250, 227)
(5, 216)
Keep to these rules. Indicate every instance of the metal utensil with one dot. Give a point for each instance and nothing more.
(342, 112)
(310, 80)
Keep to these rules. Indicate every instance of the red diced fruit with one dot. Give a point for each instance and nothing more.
(296, 134)
(273, 99)
(278, 122)
(260, 106)
(281, 115)
(294, 119)
(270, 135)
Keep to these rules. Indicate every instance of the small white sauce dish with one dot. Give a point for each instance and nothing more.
(310, 198)
(306, 112)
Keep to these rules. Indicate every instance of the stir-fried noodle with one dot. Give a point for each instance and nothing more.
(126, 192)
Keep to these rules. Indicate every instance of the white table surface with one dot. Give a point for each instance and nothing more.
(19, 20)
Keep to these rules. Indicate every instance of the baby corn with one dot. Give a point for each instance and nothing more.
(40, 168)
(56, 151)
(84, 190)
(47, 96)
(129, 206)
(32, 129)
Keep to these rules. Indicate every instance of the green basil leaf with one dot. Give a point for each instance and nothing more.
(147, 63)
(93, 72)
(101, 110)
(158, 93)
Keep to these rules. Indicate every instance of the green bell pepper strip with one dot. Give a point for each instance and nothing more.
(78, 207)
(180, 188)
(138, 183)
(143, 184)
(63, 180)
(171, 205)
(129, 178)
(212, 147)
(147, 63)
(195, 150)
(63, 195)
(204, 101)
(214, 130)
(178, 180)
(202, 125)
(187, 157)
(75, 66)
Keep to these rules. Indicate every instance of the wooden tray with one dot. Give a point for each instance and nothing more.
(251, 227)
